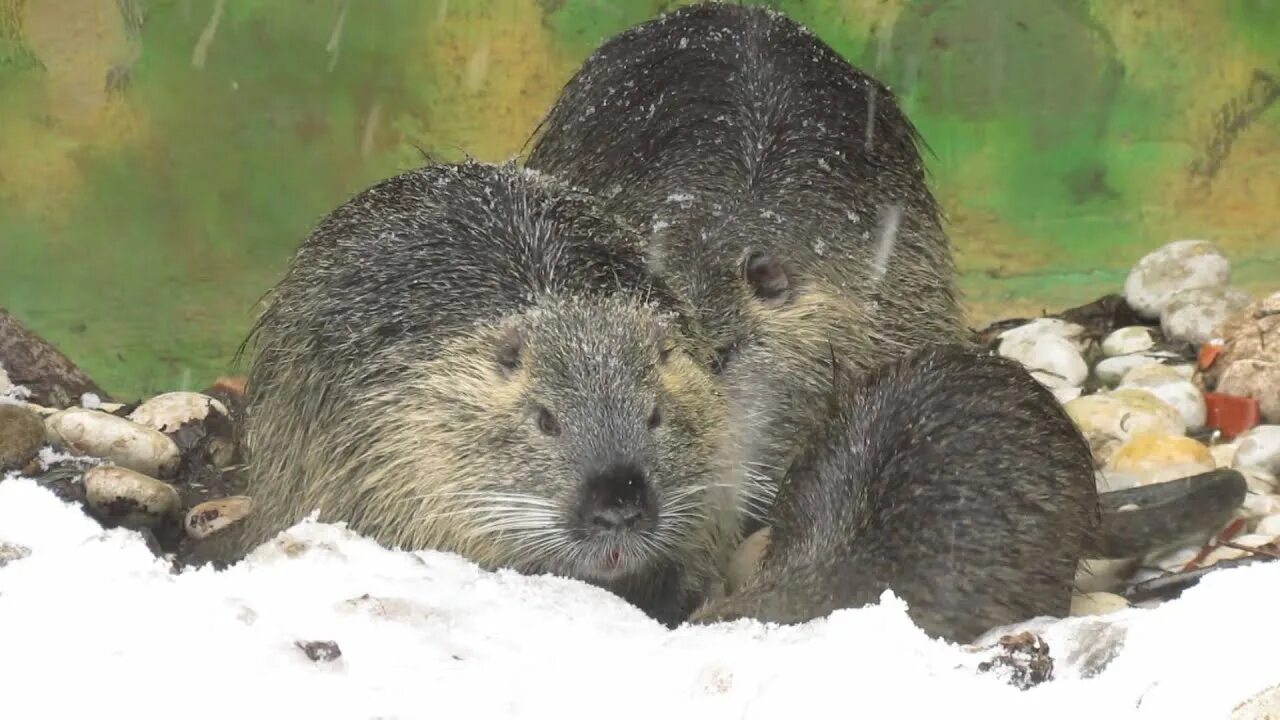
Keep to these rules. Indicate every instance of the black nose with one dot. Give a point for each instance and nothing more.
(615, 498)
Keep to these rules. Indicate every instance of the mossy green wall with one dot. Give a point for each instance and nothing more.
(160, 160)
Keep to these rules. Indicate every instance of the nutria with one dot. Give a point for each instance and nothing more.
(474, 358)
(951, 477)
(955, 479)
(786, 200)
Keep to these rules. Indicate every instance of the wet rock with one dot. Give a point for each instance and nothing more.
(1128, 340)
(1053, 361)
(320, 650)
(10, 552)
(170, 411)
(1194, 315)
(124, 443)
(1180, 394)
(129, 498)
(1109, 420)
(1066, 394)
(1177, 266)
(1150, 451)
(1040, 327)
(1146, 375)
(1252, 336)
(1260, 448)
(1113, 369)
(1257, 379)
(21, 436)
(214, 516)
(1097, 603)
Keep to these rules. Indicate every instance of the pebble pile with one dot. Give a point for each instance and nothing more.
(1185, 380)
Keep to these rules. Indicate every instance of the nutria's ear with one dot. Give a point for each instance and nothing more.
(507, 352)
(766, 276)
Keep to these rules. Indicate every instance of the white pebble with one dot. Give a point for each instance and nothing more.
(1046, 326)
(130, 497)
(1065, 394)
(1195, 314)
(213, 516)
(1053, 360)
(89, 432)
(1111, 370)
(1224, 454)
(90, 401)
(170, 411)
(1168, 270)
(1269, 525)
(1258, 505)
(1258, 480)
(1260, 448)
(1128, 340)
(1182, 395)
(1148, 373)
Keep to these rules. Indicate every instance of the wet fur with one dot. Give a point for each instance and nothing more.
(726, 130)
(950, 477)
(375, 396)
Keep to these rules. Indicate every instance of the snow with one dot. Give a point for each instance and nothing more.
(92, 625)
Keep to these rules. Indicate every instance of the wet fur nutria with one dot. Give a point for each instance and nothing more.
(949, 476)
(786, 201)
(474, 358)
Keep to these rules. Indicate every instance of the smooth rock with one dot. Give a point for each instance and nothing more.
(1102, 575)
(1269, 525)
(1259, 480)
(89, 432)
(1109, 420)
(1065, 394)
(1054, 361)
(1151, 451)
(1263, 706)
(746, 559)
(131, 498)
(169, 411)
(21, 436)
(1170, 269)
(1148, 374)
(1096, 603)
(1257, 379)
(1180, 394)
(1195, 315)
(1260, 448)
(1114, 369)
(1068, 331)
(1258, 505)
(1128, 340)
(214, 516)
(1224, 454)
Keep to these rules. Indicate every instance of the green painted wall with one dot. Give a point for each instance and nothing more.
(160, 160)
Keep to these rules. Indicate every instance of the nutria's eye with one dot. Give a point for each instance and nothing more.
(664, 353)
(547, 422)
(655, 419)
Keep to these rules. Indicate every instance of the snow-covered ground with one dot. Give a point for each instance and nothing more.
(92, 625)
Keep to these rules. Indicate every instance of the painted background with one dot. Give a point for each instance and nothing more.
(160, 160)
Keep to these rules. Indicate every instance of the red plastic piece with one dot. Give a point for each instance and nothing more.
(1232, 414)
(1209, 353)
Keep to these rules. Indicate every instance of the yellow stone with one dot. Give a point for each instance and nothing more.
(1152, 451)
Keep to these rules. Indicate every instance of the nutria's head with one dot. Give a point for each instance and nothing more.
(578, 438)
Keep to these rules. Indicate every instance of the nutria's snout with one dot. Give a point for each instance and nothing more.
(616, 499)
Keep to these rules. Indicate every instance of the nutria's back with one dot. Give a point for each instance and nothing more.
(474, 358)
(950, 477)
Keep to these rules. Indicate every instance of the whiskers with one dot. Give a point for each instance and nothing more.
(759, 488)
